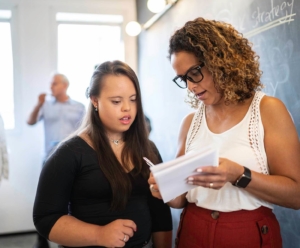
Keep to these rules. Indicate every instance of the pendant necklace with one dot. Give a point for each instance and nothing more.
(116, 142)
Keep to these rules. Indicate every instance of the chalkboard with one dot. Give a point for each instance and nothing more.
(273, 26)
(276, 37)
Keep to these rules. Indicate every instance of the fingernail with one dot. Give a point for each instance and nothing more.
(199, 170)
(190, 179)
(190, 182)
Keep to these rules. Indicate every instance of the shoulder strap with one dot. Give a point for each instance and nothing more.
(195, 126)
(255, 136)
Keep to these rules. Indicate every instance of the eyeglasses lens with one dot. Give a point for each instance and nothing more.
(180, 82)
(195, 75)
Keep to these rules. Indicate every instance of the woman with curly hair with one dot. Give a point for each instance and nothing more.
(258, 144)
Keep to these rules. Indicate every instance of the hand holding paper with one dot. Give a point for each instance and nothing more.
(171, 177)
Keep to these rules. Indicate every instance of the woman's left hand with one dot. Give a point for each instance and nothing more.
(154, 187)
(216, 177)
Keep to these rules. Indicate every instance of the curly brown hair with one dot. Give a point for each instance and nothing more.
(227, 55)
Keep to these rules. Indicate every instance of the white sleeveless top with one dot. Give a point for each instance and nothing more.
(243, 144)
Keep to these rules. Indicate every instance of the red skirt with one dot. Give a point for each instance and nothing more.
(203, 228)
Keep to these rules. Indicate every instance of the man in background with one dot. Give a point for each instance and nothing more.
(61, 116)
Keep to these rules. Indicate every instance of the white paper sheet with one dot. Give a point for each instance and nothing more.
(171, 177)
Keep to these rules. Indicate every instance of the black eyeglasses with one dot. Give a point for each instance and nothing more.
(194, 75)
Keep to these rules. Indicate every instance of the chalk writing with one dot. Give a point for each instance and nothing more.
(278, 15)
(269, 25)
(285, 8)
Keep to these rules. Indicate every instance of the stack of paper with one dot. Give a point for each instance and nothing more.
(171, 177)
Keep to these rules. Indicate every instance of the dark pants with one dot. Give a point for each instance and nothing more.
(203, 228)
(41, 242)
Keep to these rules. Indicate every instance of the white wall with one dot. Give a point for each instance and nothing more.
(35, 57)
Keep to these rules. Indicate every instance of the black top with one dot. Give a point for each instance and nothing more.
(72, 182)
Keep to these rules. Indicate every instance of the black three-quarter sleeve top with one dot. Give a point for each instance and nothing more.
(72, 183)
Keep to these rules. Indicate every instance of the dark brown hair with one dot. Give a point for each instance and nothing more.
(226, 54)
(136, 139)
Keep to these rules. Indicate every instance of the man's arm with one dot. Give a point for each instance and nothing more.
(32, 119)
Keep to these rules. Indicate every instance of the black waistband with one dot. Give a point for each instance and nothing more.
(135, 246)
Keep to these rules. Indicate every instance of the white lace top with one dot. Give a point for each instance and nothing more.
(243, 144)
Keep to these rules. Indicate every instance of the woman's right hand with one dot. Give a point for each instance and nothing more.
(154, 187)
(116, 233)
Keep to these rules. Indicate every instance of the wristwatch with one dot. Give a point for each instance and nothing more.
(244, 179)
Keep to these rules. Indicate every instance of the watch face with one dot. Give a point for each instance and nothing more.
(243, 182)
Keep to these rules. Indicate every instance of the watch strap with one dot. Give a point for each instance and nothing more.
(244, 179)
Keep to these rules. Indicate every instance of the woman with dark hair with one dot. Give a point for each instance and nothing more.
(93, 189)
(258, 144)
